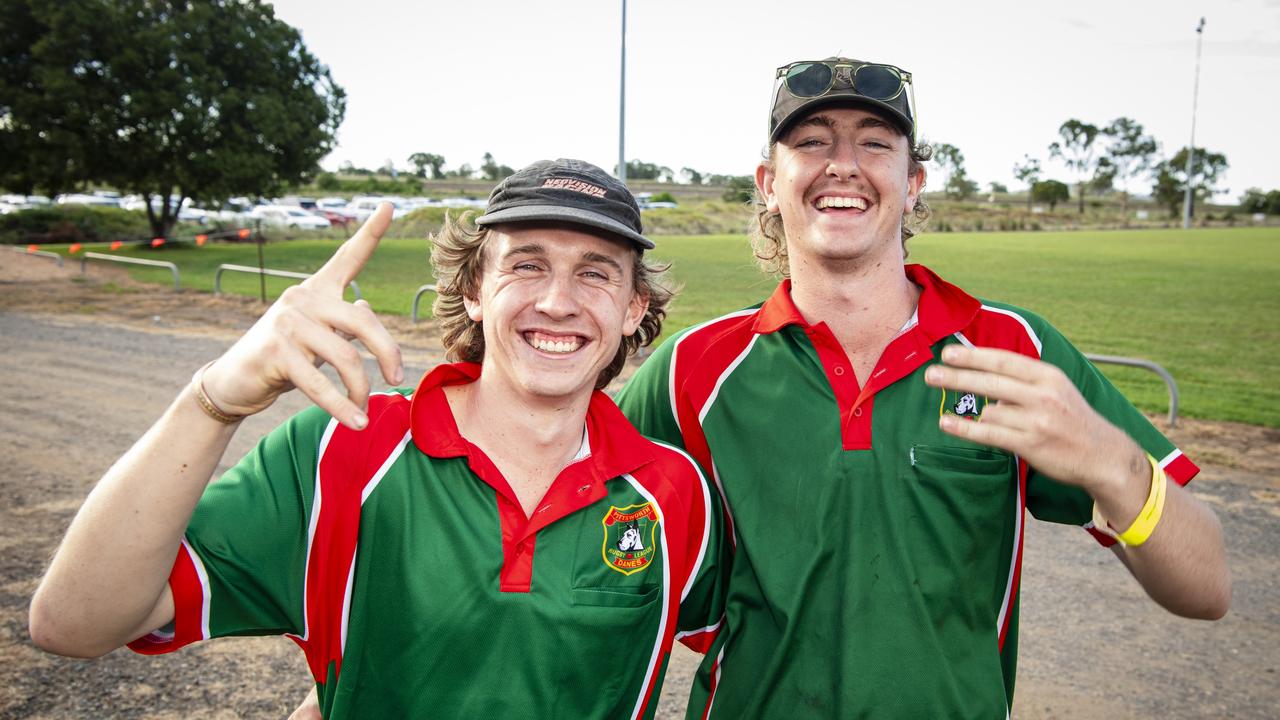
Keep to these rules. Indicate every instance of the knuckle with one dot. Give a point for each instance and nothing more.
(347, 354)
(313, 383)
(293, 295)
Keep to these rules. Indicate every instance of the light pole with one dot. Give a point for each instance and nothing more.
(1191, 149)
(622, 102)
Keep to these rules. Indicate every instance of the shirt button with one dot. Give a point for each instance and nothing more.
(857, 412)
(839, 371)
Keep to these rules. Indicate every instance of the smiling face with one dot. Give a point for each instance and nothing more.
(841, 180)
(554, 303)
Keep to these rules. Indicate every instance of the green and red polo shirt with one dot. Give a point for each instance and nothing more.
(400, 560)
(877, 559)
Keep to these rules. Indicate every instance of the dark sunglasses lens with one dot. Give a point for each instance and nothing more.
(808, 79)
(875, 81)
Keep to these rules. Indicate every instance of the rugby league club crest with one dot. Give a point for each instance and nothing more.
(629, 534)
(964, 404)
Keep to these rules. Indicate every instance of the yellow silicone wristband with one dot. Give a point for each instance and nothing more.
(1149, 516)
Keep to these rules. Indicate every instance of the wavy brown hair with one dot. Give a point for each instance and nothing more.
(458, 258)
(769, 237)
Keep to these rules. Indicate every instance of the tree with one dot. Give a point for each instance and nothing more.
(694, 177)
(1104, 177)
(1050, 191)
(639, 170)
(1130, 153)
(739, 189)
(170, 100)
(1171, 178)
(1028, 171)
(951, 160)
(1077, 152)
(422, 161)
(1256, 201)
(492, 170)
(998, 188)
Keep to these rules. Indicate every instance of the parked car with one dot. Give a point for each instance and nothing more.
(186, 213)
(361, 207)
(305, 203)
(83, 199)
(416, 203)
(288, 216)
(335, 209)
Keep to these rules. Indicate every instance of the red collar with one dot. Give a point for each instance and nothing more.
(944, 308)
(616, 446)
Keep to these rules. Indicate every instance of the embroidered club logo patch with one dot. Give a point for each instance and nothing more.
(629, 534)
(964, 404)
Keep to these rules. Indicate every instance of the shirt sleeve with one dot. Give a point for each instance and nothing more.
(1050, 500)
(702, 605)
(241, 567)
(646, 399)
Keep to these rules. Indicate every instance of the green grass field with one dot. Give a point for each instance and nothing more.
(1203, 303)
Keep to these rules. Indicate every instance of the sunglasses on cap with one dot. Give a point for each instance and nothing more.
(884, 84)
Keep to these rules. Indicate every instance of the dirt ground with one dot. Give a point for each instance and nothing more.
(90, 361)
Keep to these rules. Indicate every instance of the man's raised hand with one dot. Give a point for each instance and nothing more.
(1037, 414)
(310, 324)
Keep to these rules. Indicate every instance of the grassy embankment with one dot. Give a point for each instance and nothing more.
(1202, 303)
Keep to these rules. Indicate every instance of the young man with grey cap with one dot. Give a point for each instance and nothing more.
(878, 435)
(496, 542)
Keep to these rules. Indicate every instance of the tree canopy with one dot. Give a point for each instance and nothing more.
(1256, 201)
(640, 170)
(1076, 150)
(951, 160)
(171, 100)
(424, 161)
(1130, 152)
(1171, 179)
(492, 170)
(1028, 171)
(1050, 191)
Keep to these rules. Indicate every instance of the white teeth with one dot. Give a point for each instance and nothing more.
(554, 346)
(827, 201)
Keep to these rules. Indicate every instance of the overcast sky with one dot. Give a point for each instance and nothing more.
(530, 79)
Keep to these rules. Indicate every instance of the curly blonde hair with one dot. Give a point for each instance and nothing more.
(769, 237)
(458, 258)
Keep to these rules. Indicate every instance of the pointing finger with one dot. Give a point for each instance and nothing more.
(351, 256)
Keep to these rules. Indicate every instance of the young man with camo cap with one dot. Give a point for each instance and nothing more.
(879, 435)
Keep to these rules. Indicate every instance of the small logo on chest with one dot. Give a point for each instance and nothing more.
(964, 404)
(629, 534)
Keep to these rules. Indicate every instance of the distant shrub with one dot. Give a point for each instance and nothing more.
(421, 222)
(72, 223)
(663, 196)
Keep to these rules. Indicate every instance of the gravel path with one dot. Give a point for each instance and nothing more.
(88, 365)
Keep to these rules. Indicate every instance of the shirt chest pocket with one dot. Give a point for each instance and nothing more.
(618, 559)
(960, 508)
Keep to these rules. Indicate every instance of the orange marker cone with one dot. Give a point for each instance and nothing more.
(244, 233)
(201, 240)
(75, 248)
(116, 245)
(32, 248)
(157, 242)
